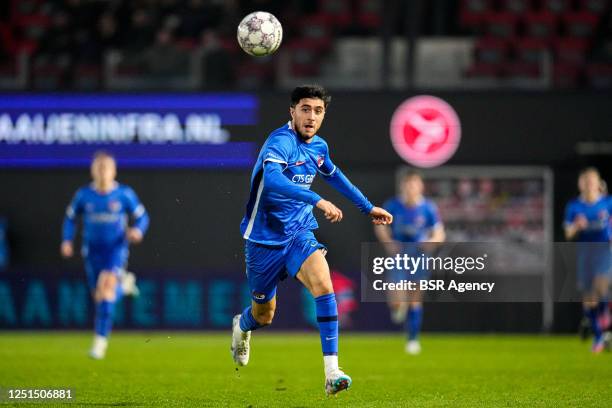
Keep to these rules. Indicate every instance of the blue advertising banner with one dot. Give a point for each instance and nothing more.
(142, 130)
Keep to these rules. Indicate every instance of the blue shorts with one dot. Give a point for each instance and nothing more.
(98, 259)
(594, 260)
(267, 265)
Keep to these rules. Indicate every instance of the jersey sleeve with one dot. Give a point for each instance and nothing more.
(433, 215)
(135, 209)
(74, 209)
(334, 177)
(278, 150)
(328, 168)
(570, 214)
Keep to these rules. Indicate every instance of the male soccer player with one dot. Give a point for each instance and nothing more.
(587, 220)
(278, 227)
(104, 206)
(416, 220)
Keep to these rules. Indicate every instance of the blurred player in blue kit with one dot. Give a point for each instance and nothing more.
(105, 206)
(416, 220)
(278, 227)
(587, 221)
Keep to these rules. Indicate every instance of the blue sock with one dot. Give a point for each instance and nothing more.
(327, 317)
(414, 321)
(591, 313)
(602, 306)
(104, 318)
(247, 321)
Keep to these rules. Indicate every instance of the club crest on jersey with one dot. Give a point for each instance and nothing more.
(320, 160)
(114, 206)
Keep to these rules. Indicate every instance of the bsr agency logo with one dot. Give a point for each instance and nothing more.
(425, 131)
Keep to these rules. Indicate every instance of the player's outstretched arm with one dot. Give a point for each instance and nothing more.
(380, 216)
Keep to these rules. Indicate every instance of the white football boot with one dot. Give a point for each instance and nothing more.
(128, 284)
(413, 347)
(240, 343)
(98, 349)
(337, 381)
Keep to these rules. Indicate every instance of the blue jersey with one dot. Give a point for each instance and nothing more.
(105, 216)
(281, 202)
(412, 224)
(597, 214)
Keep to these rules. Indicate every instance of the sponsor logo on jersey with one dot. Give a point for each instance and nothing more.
(299, 162)
(303, 178)
(114, 206)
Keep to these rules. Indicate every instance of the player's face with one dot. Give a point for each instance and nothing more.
(103, 170)
(589, 183)
(412, 187)
(307, 117)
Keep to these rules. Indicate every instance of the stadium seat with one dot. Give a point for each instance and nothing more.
(491, 50)
(48, 77)
(317, 31)
(530, 50)
(570, 50)
(540, 25)
(516, 6)
(566, 76)
(503, 25)
(521, 70)
(599, 75)
(556, 6)
(581, 24)
(304, 58)
(338, 11)
(595, 6)
(369, 14)
(473, 12)
(484, 71)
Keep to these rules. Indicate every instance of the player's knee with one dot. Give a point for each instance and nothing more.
(264, 316)
(322, 287)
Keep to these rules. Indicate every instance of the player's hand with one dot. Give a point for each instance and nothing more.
(380, 216)
(580, 222)
(67, 249)
(133, 235)
(332, 213)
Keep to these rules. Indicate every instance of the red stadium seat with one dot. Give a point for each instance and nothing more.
(541, 25)
(530, 50)
(338, 11)
(484, 71)
(517, 6)
(556, 6)
(571, 50)
(502, 25)
(581, 25)
(521, 70)
(491, 50)
(473, 12)
(566, 76)
(599, 75)
(317, 30)
(369, 14)
(595, 6)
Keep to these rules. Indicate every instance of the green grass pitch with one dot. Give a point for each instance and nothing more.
(195, 369)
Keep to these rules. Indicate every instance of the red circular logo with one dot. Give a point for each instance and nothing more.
(425, 131)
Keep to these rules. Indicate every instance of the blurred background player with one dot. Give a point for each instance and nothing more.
(278, 227)
(416, 219)
(587, 220)
(105, 206)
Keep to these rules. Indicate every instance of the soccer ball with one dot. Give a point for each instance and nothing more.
(259, 34)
